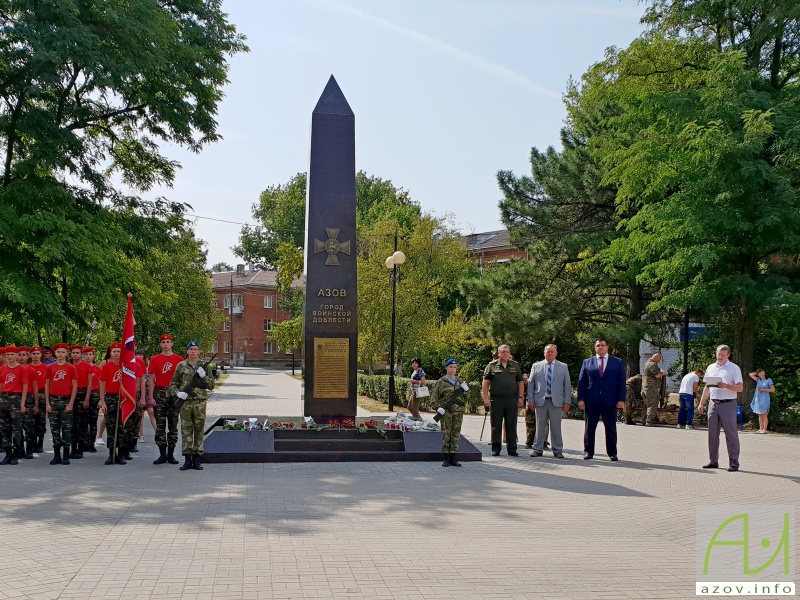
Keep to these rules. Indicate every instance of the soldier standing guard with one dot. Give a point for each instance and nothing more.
(503, 390)
(36, 414)
(14, 379)
(110, 381)
(193, 411)
(60, 389)
(162, 370)
(92, 404)
(448, 393)
(651, 389)
(79, 412)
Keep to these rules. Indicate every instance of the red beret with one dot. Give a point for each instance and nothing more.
(60, 345)
(36, 348)
(115, 345)
(88, 348)
(11, 349)
(2, 349)
(75, 347)
(166, 336)
(23, 348)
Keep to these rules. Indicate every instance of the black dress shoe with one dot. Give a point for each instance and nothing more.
(733, 469)
(513, 454)
(536, 453)
(496, 453)
(587, 456)
(711, 466)
(614, 459)
(558, 455)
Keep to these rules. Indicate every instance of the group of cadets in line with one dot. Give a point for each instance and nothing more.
(45, 384)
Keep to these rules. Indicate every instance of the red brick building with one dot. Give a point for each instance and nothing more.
(248, 299)
(492, 246)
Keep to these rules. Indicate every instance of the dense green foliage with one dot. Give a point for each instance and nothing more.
(88, 90)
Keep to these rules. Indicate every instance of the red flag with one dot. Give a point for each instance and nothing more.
(128, 361)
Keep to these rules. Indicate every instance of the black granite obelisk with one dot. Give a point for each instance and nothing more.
(331, 319)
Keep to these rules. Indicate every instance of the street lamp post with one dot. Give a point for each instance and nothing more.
(393, 262)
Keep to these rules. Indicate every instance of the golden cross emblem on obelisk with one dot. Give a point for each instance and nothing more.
(332, 246)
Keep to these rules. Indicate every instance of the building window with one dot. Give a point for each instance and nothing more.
(267, 347)
(226, 348)
(267, 324)
(267, 301)
(237, 300)
(226, 325)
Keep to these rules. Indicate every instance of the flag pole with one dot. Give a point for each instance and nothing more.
(116, 429)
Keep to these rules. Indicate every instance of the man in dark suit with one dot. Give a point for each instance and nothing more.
(601, 391)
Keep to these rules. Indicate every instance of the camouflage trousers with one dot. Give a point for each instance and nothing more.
(166, 419)
(193, 423)
(131, 428)
(79, 420)
(60, 421)
(111, 416)
(530, 427)
(451, 431)
(34, 424)
(92, 414)
(11, 421)
(651, 398)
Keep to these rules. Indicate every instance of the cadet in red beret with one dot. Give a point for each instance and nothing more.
(92, 405)
(161, 369)
(61, 387)
(14, 380)
(37, 371)
(79, 414)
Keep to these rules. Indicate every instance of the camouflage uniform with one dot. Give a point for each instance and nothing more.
(530, 427)
(79, 424)
(633, 394)
(29, 420)
(11, 422)
(452, 419)
(651, 391)
(193, 411)
(166, 418)
(60, 422)
(92, 414)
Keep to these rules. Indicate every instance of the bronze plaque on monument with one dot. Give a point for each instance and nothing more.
(331, 367)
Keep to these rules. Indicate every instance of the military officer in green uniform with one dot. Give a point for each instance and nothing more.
(651, 389)
(633, 396)
(448, 394)
(192, 385)
(503, 390)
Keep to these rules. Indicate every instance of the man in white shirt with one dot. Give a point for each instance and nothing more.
(722, 412)
(687, 394)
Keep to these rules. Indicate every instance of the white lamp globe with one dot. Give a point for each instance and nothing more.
(398, 258)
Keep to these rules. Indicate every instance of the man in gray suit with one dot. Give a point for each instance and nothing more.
(549, 394)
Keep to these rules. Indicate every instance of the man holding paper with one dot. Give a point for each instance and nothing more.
(723, 381)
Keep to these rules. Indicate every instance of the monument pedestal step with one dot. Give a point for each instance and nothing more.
(231, 446)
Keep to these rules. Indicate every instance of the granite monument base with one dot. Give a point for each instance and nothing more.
(328, 445)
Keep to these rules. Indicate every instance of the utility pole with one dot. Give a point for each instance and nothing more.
(230, 321)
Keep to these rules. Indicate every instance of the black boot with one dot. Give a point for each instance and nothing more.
(39, 444)
(125, 452)
(110, 459)
(77, 451)
(446, 461)
(188, 464)
(196, 463)
(453, 460)
(7, 458)
(57, 458)
(121, 456)
(135, 447)
(162, 457)
(65, 459)
(89, 448)
(171, 456)
(14, 460)
(29, 450)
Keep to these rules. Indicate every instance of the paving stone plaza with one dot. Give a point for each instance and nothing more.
(504, 527)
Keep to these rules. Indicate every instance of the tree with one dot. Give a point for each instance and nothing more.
(87, 91)
(289, 334)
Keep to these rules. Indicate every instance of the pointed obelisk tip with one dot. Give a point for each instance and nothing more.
(332, 100)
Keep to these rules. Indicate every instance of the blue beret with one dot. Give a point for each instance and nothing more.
(451, 361)
(193, 343)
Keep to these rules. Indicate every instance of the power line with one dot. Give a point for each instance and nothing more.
(220, 220)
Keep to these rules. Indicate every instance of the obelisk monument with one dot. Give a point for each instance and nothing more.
(330, 320)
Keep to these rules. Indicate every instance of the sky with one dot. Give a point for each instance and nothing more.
(445, 94)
